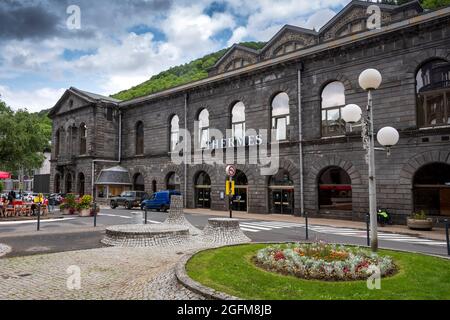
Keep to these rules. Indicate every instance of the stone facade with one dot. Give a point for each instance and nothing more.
(397, 51)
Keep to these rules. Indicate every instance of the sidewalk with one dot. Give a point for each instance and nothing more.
(436, 234)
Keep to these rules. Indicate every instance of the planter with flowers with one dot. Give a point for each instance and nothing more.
(84, 206)
(69, 205)
(420, 221)
(321, 261)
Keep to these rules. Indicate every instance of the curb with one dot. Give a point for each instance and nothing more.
(194, 286)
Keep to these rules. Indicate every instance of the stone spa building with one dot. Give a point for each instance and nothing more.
(297, 85)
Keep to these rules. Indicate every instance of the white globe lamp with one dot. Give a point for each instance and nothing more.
(388, 137)
(370, 79)
(351, 113)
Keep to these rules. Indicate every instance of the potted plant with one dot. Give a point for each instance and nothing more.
(84, 206)
(420, 221)
(64, 208)
(70, 204)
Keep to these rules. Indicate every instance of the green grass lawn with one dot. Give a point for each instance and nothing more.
(231, 271)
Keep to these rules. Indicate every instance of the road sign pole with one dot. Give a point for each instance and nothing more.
(230, 198)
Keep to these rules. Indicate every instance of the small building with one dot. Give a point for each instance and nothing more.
(112, 182)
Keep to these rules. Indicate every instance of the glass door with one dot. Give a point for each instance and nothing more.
(203, 198)
(240, 199)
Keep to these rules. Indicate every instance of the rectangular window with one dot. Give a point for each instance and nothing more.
(174, 139)
(204, 138)
(435, 110)
(332, 124)
(281, 129)
(447, 94)
(109, 114)
(239, 130)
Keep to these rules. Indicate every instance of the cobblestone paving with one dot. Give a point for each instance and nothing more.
(4, 249)
(107, 273)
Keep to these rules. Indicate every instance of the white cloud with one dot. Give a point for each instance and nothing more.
(33, 100)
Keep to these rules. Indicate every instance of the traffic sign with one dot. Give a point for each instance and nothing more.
(231, 170)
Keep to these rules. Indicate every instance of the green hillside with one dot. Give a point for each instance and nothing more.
(179, 75)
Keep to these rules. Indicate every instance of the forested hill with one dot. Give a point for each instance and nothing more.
(179, 75)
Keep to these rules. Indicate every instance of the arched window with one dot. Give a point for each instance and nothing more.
(333, 101)
(138, 182)
(57, 142)
(174, 132)
(81, 184)
(203, 127)
(432, 189)
(139, 138)
(83, 139)
(433, 93)
(238, 121)
(173, 182)
(280, 115)
(335, 190)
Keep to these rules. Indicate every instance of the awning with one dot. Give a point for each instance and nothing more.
(114, 176)
(5, 175)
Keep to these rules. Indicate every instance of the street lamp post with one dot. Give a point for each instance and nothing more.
(370, 80)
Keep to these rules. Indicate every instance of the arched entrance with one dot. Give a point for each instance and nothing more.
(69, 183)
(335, 190)
(57, 183)
(240, 201)
(203, 191)
(81, 183)
(138, 182)
(432, 189)
(173, 182)
(281, 193)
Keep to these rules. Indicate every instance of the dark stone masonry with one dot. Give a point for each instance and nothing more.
(299, 73)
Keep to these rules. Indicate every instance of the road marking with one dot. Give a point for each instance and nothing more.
(114, 215)
(35, 221)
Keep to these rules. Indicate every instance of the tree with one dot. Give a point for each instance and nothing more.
(23, 138)
(435, 4)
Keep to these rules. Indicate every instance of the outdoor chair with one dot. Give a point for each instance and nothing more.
(10, 211)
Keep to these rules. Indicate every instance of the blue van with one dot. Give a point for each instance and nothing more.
(159, 200)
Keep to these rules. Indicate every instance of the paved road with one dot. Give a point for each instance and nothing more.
(75, 233)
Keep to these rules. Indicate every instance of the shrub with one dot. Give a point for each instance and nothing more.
(85, 203)
(421, 215)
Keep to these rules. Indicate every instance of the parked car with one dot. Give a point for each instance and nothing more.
(159, 200)
(129, 199)
(28, 196)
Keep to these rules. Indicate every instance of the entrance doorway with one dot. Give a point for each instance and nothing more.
(69, 183)
(281, 193)
(203, 191)
(240, 199)
(81, 183)
(173, 182)
(432, 189)
(138, 182)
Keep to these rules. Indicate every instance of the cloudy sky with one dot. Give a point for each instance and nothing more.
(121, 43)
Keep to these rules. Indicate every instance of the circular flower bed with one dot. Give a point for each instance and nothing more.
(324, 262)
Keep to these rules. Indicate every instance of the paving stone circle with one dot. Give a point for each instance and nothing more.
(177, 217)
(223, 231)
(139, 235)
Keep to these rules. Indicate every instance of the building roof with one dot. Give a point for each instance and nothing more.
(89, 97)
(114, 176)
(394, 27)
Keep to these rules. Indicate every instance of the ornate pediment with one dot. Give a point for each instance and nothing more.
(289, 39)
(74, 99)
(237, 57)
(353, 18)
